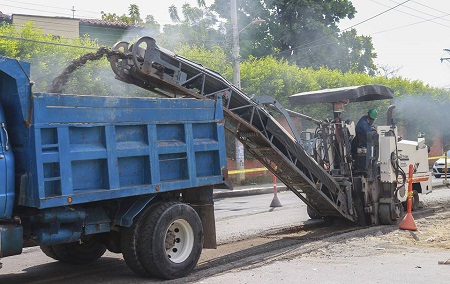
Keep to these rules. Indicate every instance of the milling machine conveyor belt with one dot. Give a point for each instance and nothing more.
(153, 68)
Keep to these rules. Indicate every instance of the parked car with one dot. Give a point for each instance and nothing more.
(439, 166)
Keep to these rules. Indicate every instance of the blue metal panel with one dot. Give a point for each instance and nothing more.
(120, 155)
(15, 91)
(7, 194)
(192, 170)
(11, 240)
(73, 109)
(125, 218)
(66, 174)
(113, 171)
(153, 145)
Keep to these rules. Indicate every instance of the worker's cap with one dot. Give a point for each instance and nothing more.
(373, 113)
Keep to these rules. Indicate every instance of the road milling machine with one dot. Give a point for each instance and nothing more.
(365, 186)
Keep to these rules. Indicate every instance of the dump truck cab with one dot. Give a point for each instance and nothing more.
(10, 80)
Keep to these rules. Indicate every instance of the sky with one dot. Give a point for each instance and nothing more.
(410, 38)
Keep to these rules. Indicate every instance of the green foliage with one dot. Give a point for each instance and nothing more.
(279, 79)
(49, 56)
(304, 32)
(197, 26)
(203, 41)
(276, 78)
(214, 58)
(116, 18)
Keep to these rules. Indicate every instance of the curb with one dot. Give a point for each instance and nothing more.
(247, 191)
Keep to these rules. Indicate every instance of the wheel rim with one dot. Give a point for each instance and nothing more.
(179, 241)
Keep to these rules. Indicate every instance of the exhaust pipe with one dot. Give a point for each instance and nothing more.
(389, 119)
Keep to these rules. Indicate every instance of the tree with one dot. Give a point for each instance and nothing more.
(154, 29)
(116, 18)
(213, 58)
(304, 32)
(387, 71)
(49, 56)
(133, 17)
(196, 26)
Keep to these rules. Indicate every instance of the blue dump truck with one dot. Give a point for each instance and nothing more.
(80, 175)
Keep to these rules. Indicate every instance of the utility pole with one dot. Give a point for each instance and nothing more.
(73, 11)
(237, 82)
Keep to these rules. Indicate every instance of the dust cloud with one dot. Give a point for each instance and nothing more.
(422, 113)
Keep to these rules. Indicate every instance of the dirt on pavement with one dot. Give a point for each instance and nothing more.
(433, 234)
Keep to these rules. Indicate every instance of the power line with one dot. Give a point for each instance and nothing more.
(412, 15)
(46, 6)
(47, 42)
(50, 26)
(69, 12)
(428, 7)
(307, 45)
(37, 10)
(412, 24)
(62, 25)
(377, 15)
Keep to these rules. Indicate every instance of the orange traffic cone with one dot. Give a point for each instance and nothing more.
(408, 222)
(275, 201)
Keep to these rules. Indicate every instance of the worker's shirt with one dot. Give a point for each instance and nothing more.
(362, 128)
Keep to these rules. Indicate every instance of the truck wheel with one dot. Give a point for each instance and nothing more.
(170, 240)
(50, 252)
(128, 242)
(85, 252)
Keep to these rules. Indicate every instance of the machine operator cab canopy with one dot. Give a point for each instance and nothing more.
(348, 94)
(339, 97)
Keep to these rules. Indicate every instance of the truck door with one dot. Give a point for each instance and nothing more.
(6, 171)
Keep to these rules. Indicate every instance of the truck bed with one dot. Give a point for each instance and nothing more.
(91, 148)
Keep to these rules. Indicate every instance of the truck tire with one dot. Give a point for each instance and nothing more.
(50, 252)
(128, 241)
(85, 252)
(169, 240)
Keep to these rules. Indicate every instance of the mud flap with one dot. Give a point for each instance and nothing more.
(201, 199)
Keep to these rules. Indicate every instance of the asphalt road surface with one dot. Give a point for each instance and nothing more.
(242, 223)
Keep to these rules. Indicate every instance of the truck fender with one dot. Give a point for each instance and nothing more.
(125, 216)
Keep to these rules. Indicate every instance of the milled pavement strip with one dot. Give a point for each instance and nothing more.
(296, 248)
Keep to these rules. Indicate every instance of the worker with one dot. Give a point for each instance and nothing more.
(363, 127)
